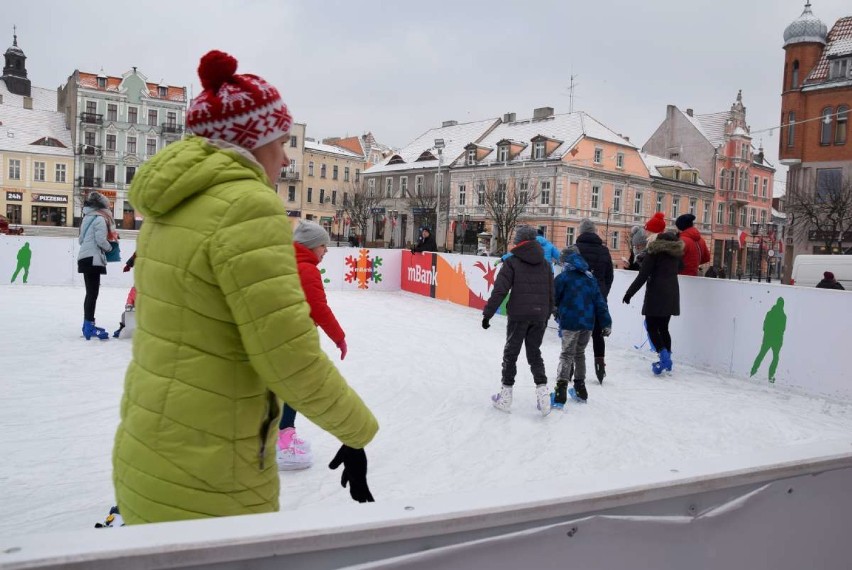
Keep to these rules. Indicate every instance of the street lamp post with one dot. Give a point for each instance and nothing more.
(339, 224)
(439, 145)
(393, 216)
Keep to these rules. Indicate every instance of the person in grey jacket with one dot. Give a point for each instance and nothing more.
(529, 277)
(96, 230)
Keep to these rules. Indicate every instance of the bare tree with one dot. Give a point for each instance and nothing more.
(359, 204)
(821, 208)
(426, 206)
(507, 199)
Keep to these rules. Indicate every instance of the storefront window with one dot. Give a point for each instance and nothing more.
(48, 216)
(13, 213)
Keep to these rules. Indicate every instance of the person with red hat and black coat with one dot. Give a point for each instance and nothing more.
(597, 255)
(829, 282)
(695, 251)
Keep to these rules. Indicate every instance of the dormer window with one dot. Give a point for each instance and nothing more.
(471, 156)
(538, 150)
(619, 160)
(503, 153)
(840, 68)
(101, 82)
(163, 91)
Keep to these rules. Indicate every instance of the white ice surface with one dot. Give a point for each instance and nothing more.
(427, 370)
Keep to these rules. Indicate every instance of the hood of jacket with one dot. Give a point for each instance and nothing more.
(305, 255)
(691, 233)
(668, 244)
(529, 252)
(590, 237)
(575, 262)
(186, 168)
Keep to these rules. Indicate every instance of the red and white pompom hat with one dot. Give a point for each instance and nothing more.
(243, 110)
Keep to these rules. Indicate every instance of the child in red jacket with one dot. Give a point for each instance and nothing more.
(311, 243)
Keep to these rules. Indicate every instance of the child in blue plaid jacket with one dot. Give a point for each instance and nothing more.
(578, 302)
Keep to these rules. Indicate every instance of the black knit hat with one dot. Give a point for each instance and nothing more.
(684, 222)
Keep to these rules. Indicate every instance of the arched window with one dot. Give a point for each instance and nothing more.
(791, 128)
(723, 179)
(842, 125)
(825, 126)
(743, 181)
(731, 177)
(794, 78)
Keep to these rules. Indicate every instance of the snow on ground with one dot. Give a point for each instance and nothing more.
(426, 368)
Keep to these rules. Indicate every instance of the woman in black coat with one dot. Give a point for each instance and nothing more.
(662, 294)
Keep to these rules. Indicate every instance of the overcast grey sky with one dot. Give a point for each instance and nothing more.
(398, 68)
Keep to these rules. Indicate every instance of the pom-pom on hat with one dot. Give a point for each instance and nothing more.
(525, 233)
(243, 110)
(657, 223)
(828, 276)
(310, 234)
(684, 221)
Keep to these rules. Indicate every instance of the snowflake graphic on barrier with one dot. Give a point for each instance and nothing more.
(363, 269)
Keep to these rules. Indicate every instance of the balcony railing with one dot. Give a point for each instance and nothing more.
(287, 174)
(172, 128)
(88, 182)
(735, 196)
(89, 149)
(92, 118)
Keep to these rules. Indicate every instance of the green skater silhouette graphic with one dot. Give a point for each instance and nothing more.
(773, 337)
(25, 255)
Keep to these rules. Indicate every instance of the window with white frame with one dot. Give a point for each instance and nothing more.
(569, 237)
(706, 216)
(112, 112)
(294, 140)
(334, 172)
(403, 186)
(388, 187)
(764, 190)
(763, 216)
(109, 173)
(471, 156)
(291, 193)
(720, 214)
(743, 214)
(660, 198)
(743, 181)
(323, 170)
(619, 160)
(310, 196)
(675, 207)
(754, 185)
(502, 153)
(637, 204)
(131, 145)
(357, 174)
(545, 193)
(500, 195)
(744, 151)
(480, 194)
(91, 107)
(418, 185)
(346, 174)
(151, 149)
(38, 171)
(598, 155)
(334, 197)
(322, 196)
(538, 150)
(152, 117)
(693, 205)
(462, 194)
(14, 169)
(616, 200)
(132, 115)
(752, 215)
(596, 197)
(732, 216)
(311, 169)
(614, 242)
(59, 173)
(523, 193)
(371, 186)
(110, 142)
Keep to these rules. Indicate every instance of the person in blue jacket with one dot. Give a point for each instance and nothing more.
(551, 252)
(579, 303)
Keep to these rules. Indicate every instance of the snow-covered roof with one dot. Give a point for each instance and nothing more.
(777, 214)
(330, 149)
(456, 137)
(711, 125)
(568, 128)
(653, 163)
(839, 43)
(20, 127)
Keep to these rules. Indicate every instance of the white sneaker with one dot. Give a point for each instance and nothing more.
(293, 459)
(503, 400)
(542, 396)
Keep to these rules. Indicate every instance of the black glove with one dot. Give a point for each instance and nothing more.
(354, 472)
(626, 300)
(485, 322)
(606, 332)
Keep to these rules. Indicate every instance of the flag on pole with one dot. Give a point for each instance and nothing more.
(742, 236)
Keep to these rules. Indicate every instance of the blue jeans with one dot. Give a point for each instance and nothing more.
(288, 418)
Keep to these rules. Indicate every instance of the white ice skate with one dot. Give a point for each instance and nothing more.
(293, 459)
(542, 396)
(503, 400)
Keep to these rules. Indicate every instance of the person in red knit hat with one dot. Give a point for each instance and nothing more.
(224, 332)
(657, 224)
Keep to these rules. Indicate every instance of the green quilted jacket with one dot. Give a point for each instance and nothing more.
(222, 328)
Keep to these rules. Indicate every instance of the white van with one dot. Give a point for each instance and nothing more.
(808, 269)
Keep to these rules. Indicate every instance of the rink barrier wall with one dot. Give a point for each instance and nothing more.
(720, 329)
(782, 508)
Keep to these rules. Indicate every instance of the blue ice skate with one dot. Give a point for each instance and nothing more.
(574, 396)
(554, 404)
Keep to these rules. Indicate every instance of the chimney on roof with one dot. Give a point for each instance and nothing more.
(625, 137)
(449, 124)
(542, 112)
(689, 112)
(509, 117)
(28, 102)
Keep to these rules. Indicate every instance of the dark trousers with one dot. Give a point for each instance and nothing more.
(658, 332)
(529, 334)
(93, 287)
(288, 418)
(598, 343)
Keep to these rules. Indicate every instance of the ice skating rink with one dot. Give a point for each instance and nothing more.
(425, 367)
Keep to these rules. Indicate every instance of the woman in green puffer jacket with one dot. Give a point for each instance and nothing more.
(223, 328)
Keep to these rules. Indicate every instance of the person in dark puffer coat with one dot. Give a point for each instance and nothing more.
(597, 255)
(829, 282)
(529, 277)
(579, 306)
(662, 295)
